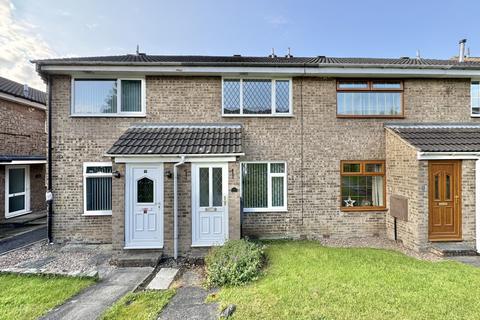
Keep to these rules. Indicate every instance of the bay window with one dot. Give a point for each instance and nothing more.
(362, 185)
(108, 97)
(369, 98)
(264, 186)
(97, 188)
(256, 97)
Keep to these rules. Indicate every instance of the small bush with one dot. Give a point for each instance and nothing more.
(235, 263)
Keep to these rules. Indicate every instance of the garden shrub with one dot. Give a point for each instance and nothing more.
(235, 263)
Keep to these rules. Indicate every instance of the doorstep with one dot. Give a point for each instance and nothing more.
(452, 249)
(136, 259)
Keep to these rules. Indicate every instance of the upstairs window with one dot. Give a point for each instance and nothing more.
(257, 97)
(369, 98)
(108, 97)
(475, 98)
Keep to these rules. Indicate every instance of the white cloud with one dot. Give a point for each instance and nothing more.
(91, 26)
(20, 43)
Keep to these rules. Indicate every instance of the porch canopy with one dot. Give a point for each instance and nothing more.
(8, 159)
(444, 138)
(179, 139)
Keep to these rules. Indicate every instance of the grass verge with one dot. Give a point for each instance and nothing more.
(143, 305)
(305, 280)
(30, 296)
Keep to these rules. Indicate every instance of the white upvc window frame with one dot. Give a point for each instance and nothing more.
(26, 193)
(270, 175)
(119, 112)
(471, 98)
(95, 175)
(273, 95)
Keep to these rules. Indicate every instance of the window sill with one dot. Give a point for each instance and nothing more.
(264, 210)
(108, 116)
(339, 116)
(360, 209)
(258, 116)
(95, 214)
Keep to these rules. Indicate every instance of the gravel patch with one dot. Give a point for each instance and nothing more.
(84, 260)
(379, 243)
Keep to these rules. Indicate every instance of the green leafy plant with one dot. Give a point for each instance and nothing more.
(235, 263)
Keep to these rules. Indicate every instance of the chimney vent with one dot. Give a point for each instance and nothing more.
(26, 90)
(289, 55)
(461, 55)
(272, 55)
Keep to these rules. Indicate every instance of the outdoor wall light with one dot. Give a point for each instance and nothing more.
(169, 174)
(116, 174)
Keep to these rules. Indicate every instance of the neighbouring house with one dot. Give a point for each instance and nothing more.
(174, 154)
(22, 150)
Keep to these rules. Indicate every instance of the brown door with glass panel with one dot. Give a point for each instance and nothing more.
(445, 218)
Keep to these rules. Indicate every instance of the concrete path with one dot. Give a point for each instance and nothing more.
(189, 301)
(471, 260)
(22, 239)
(92, 302)
(163, 279)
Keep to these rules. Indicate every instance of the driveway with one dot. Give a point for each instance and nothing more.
(19, 237)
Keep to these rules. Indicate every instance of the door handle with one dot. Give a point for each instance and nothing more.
(224, 200)
(456, 199)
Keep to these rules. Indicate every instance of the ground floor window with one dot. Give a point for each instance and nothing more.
(264, 186)
(97, 188)
(17, 190)
(362, 185)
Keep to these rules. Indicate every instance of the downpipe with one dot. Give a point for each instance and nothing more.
(175, 206)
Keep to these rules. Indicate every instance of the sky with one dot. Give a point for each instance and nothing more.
(36, 29)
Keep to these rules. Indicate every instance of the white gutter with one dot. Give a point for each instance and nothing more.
(268, 70)
(24, 162)
(175, 206)
(447, 155)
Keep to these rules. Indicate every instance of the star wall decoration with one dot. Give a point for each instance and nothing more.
(349, 202)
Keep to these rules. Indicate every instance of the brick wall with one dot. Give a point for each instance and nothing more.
(312, 141)
(22, 132)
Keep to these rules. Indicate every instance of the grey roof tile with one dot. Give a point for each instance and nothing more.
(440, 137)
(318, 61)
(16, 89)
(170, 139)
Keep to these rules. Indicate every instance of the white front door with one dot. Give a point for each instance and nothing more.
(209, 204)
(144, 207)
(17, 190)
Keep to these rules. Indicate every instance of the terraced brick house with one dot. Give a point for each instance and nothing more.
(22, 152)
(175, 154)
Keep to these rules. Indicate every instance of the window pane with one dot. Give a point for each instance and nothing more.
(362, 191)
(369, 103)
(16, 180)
(131, 96)
(257, 96)
(231, 96)
(99, 193)
(353, 85)
(373, 167)
(277, 167)
(351, 167)
(16, 203)
(437, 188)
(204, 177)
(387, 85)
(99, 169)
(254, 183)
(282, 96)
(217, 189)
(277, 191)
(447, 187)
(145, 190)
(95, 96)
(475, 97)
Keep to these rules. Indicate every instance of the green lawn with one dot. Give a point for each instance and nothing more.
(144, 305)
(30, 296)
(304, 280)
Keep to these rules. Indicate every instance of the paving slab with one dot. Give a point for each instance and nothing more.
(92, 302)
(163, 279)
(470, 260)
(189, 304)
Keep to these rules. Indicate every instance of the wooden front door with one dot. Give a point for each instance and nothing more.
(445, 217)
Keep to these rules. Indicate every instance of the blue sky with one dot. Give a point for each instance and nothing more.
(371, 28)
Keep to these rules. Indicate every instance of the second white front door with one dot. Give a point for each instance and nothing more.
(209, 204)
(144, 216)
